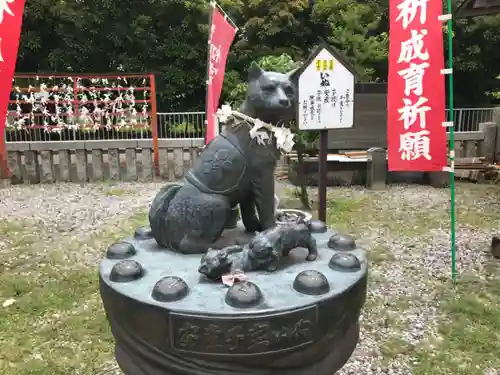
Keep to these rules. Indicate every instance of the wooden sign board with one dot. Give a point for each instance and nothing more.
(325, 91)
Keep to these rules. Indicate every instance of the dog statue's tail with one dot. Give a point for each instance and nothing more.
(159, 208)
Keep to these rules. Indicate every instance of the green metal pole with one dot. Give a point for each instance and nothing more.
(451, 146)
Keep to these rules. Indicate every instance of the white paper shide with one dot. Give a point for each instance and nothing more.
(260, 131)
(325, 94)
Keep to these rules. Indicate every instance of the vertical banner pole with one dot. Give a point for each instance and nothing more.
(451, 146)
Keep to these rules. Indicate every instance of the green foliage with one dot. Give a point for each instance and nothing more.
(234, 89)
(96, 36)
(269, 27)
(281, 64)
(182, 129)
(352, 27)
(476, 50)
(305, 141)
(496, 92)
(169, 39)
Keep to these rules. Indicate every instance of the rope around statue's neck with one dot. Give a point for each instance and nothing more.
(260, 130)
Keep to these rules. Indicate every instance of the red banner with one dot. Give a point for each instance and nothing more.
(11, 18)
(416, 93)
(221, 37)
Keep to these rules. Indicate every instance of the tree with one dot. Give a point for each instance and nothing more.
(169, 38)
(293, 27)
(353, 28)
(99, 36)
(476, 50)
(267, 28)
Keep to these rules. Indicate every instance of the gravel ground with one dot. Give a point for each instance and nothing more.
(75, 209)
(405, 228)
(70, 214)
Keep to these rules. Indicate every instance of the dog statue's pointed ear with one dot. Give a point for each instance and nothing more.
(254, 72)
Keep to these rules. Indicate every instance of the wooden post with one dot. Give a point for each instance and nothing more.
(323, 159)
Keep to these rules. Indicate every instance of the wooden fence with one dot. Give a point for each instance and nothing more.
(82, 161)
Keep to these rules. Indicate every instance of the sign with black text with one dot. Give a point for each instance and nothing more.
(325, 92)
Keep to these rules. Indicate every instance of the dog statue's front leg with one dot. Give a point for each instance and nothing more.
(263, 191)
(248, 216)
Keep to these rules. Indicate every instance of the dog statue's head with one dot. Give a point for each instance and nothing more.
(214, 264)
(271, 96)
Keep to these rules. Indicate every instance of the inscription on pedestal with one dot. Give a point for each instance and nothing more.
(250, 336)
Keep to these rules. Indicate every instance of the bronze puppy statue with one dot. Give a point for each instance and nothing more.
(261, 253)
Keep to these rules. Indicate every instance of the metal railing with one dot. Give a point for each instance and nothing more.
(192, 124)
(173, 125)
(181, 124)
(468, 119)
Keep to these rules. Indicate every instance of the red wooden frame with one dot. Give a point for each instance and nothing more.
(40, 78)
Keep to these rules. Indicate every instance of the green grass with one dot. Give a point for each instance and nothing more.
(18, 236)
(56, 324)
(51, 318)
(110, 189)
(468, 340)
(116, 192)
